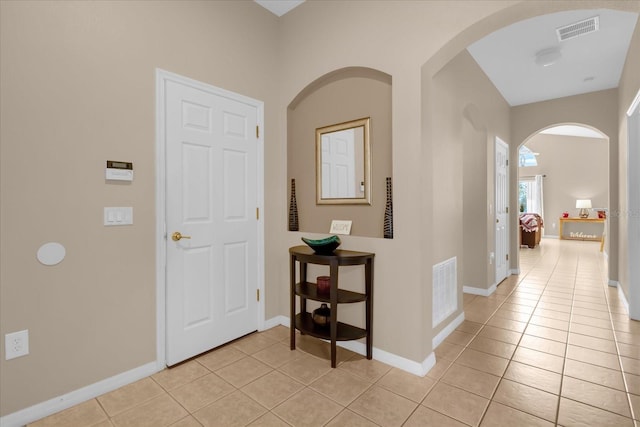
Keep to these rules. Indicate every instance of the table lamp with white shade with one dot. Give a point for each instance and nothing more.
(584, 205)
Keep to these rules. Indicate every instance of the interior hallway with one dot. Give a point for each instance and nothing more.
(551, 346)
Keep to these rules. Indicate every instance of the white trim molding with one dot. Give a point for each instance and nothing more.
(413, 367)
(65, 401)
(275, 321)
(394, 360)
(614, 283)
(479, 291)
(623, 298)
(634, 104)
(633, 208)
(444, 333)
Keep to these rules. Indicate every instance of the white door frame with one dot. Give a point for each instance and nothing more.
(498, 141)
(162, 77)
(633, 207)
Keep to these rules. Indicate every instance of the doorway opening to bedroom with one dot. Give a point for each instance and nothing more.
(560, 170)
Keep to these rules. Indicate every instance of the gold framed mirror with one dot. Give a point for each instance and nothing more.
(343, 163)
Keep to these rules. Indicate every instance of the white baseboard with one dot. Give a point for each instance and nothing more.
(394, 360)
(275, 321)
(57, 404)
(283, 320)
(443, 334)
(428, 363)
(65, 401)
(614, 283)
(515, 271)
(622, 297)
(479, 291)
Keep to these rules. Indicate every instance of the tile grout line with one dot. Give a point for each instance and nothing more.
(484, 324)
(566, 345)
(520, 340)
(566, 350)
(619, 360)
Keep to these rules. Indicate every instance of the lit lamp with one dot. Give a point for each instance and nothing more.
(584, 206)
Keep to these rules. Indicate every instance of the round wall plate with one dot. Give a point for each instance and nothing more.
(51, 253)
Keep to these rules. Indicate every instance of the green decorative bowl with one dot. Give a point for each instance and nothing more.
(323, 246)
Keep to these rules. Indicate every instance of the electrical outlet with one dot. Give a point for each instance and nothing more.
(16, 344)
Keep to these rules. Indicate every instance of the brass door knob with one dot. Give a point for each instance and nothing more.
(177, 236)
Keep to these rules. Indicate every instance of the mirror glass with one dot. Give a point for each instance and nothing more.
(343, 163)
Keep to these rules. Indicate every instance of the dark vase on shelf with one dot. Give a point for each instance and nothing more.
(388, 212)
(322, 316)
(293, 209)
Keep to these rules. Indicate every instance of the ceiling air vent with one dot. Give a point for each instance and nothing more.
(578, 29)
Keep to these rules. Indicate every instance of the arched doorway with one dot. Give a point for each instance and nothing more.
(602, 107)
(559, 165)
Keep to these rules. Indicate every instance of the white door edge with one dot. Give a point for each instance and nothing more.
(633, 206)
(162, 77)
(500, 142)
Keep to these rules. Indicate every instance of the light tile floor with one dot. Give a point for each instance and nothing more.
(552, 345)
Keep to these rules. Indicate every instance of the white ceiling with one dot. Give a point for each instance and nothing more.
(588, 63)
(279, 7)
(573, 130)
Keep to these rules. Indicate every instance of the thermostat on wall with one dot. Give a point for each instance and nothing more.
(119, 171)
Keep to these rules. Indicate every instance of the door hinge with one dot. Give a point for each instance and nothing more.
(257, 294)
(257, 213)
(507, 163)
(257, 131)
(507, 256)
(507, 209)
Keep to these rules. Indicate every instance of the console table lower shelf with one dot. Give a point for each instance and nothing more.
(346, 332)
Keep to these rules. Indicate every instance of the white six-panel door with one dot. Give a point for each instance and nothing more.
(502, 210)
(211, 200)
(338, 164)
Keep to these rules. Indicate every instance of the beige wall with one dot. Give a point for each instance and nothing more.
(359, 93)
(629, 86)
(78, 88)
(430, 250)
(395, 37)
(470, 113)
(77, 83)
(575, 168)
(598, 110)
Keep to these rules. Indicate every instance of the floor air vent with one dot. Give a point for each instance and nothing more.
(578, 29)
(445, 290)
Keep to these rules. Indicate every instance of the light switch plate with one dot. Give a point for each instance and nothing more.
(118, 216)
(118, 175)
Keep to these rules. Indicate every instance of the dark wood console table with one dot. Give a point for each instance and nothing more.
(337, 331)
